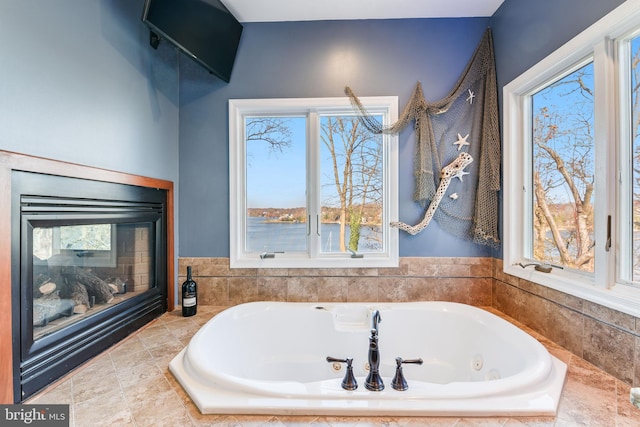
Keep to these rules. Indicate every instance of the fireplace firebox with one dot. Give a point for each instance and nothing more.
(89, 267)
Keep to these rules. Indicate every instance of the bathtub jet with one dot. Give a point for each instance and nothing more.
(271, 358)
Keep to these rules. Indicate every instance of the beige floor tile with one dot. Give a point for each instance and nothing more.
(628, 415)
(177, 388)
(531, 422)
(59, 394)
(158, 328)
(88, 385)
(147, 390)
(588, 398)
(102, 365)
(105, 409)
(165, 409)
(162, 355)
(163, 340)
(180, 322)
(185, 332)
(130, 378)
(131, 359)
(124, 352)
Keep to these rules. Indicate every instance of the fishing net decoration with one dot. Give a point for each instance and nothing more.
(465, 120)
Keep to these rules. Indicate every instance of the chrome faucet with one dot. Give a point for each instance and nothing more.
(374, 381)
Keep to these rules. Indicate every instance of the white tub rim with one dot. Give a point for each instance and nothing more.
(550, 382)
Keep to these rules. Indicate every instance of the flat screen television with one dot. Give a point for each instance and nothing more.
(203, 29)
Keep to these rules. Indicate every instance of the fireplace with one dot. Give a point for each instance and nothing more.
(89, 266)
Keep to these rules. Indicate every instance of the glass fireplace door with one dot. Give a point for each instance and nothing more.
(80, 270)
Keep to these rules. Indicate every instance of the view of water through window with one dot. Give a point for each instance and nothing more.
(348, 163)
(267, 236)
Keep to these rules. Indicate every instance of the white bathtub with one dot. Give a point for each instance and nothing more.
(270, 358)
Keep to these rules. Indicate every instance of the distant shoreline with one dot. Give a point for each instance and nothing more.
(284, 221)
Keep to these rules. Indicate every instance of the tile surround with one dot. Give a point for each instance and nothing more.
(604, 337)
(466, 280)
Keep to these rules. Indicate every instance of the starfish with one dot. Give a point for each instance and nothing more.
(460, 174)
(462, 141)
(471, 96)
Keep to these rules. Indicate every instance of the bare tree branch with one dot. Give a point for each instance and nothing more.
(274, 131)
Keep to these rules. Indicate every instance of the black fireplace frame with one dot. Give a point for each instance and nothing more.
(41, 199)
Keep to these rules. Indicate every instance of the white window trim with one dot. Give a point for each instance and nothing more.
(604, 288)
(238, 110)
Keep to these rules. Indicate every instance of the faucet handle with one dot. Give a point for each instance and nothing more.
(349, 382)
(398, 382)
(413, 361)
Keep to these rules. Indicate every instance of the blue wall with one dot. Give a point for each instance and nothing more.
(315, 59)
(525, 32)
(79, 83)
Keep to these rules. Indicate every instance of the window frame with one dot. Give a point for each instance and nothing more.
(313, 109)
(602, 42)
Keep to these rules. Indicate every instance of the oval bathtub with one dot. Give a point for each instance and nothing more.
(270, 358)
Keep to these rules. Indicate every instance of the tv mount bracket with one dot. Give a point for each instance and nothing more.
(154, 39)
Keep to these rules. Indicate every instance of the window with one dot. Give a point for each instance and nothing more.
(91, 245)
(310, 186)
(572, 166)
(562, 178)
(632, 99)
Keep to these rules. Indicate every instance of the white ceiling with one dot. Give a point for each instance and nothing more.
(315, 10)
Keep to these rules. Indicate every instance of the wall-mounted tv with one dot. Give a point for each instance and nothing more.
(204, 29)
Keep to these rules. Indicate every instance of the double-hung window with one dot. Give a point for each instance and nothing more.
(572, 166)
(310, 185)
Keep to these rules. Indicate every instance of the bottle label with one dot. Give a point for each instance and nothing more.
(189, 302)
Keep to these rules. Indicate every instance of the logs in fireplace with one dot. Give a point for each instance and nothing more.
(64, 291)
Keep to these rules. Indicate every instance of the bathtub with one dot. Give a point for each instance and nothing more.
(271, 358)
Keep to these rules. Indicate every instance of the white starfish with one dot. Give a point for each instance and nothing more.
(460, 174)
(471, 96)
(462, 141)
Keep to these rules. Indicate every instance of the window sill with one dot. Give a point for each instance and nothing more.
(623, 298)
(338, 261)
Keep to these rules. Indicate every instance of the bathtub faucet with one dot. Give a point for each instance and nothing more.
(374, 381)
(375, 320)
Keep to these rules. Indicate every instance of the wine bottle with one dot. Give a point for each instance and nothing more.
(189, 295)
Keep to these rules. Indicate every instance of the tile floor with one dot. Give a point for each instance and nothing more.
(130, 385)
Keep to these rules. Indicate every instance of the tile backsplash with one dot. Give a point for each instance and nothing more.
(466, 280)
(607, 338)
